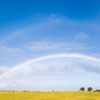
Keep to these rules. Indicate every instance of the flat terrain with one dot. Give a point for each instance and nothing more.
(49, 95)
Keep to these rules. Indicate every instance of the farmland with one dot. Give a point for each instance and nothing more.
(54, 95)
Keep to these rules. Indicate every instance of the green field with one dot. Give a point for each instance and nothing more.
(49, 95)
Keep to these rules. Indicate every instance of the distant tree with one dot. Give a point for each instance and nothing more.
(97, 90)
(90, 89)
(24, 91)
(82, 89)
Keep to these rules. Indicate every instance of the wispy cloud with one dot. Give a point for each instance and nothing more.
(43, 46)
(81, 36)
(37, 48)
(59, 46)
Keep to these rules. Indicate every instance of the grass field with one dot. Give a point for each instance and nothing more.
(49, 95)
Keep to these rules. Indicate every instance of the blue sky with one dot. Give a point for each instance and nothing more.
(34, 28)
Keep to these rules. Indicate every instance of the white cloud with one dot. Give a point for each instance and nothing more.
(81, 36)
(32, 76)
(53, 18)
(33, 49)
(56, 66)
(42, 46)
(3, 85)
(58, 46)
(3, 69)
(8, 49)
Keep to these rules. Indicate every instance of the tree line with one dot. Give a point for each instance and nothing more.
(89, 89)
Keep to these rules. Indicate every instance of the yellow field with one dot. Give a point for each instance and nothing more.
(49, 96)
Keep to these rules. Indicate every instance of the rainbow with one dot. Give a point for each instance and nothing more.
(61, 55)
(11, 35)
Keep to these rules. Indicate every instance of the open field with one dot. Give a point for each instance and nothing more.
(49, 96)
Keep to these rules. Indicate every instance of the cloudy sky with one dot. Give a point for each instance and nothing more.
(35, 28)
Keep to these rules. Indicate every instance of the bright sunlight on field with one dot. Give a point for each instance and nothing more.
(49, 95)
